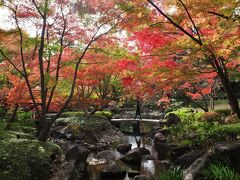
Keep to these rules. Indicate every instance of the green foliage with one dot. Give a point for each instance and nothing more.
(174, 172)
(105, 113)
(72, 114)
(3, 112)
(221, 172)
(201, 133)
(26, 159)
(185, 114)
(79, 124)
(24, 118)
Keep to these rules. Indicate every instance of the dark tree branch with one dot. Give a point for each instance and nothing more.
(175, 24)
(190, 17)
(219, 15)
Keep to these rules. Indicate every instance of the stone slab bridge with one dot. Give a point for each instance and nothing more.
(136, 120)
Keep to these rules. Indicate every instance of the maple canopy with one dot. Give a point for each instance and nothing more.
(86, 54)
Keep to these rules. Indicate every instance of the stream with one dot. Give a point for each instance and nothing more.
(147, 166)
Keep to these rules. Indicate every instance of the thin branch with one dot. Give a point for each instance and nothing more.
(175, 24)
(219, 15)
(190, 17)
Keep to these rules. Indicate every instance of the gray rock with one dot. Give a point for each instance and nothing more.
(144, 151)
(163, 150)
(194, 171)
(133, 156)
(90, 137)
(78, 153)
(113, 171)
(187, 159)
(124, 148)
(70, 170)
(148, 157)
(133, 173)
(159, 138)
(107, 155)
(179, 151)
(59, 132)
(142, 177)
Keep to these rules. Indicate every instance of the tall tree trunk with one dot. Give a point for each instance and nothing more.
(224, 77)
(233, 102)
(44, 132)
(14, 114)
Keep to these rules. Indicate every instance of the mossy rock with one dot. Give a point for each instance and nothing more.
(26, 159)
(104, 113)
(79, 124)
(73, 114)
(223, 112)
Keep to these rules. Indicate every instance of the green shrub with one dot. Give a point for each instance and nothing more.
(78, 124)
(185, 110)
(173, 173)
(220, 172)
(198, 115)
(23, 115)
(106, 114)
(26, 159)
(3, 112)
(72, 114)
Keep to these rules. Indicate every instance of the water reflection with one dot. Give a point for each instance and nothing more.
(137, 140)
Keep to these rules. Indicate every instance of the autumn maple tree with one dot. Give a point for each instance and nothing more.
(199, 38)
(64, 31)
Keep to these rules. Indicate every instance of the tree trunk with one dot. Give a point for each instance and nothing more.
(14, 114)
(44, 133)
(233, 102)
(44, 129)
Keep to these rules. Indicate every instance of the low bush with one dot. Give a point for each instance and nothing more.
(220, 171)
(104, 113)
(26, 159)
(73, 114)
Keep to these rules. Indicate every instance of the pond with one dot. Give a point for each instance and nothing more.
(137, 140)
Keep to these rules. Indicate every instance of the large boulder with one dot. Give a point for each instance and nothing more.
(195, 170)
(163, 150)
(90, 137)
(113, 171)
(187, 159)
(144, 151)
(159, 138)
(134, 156)
(179, 151)
(70, 170)
(107, 155)
(124, 148)
(228, 150)
(60, 132)
(142, 177)
(77, 152)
